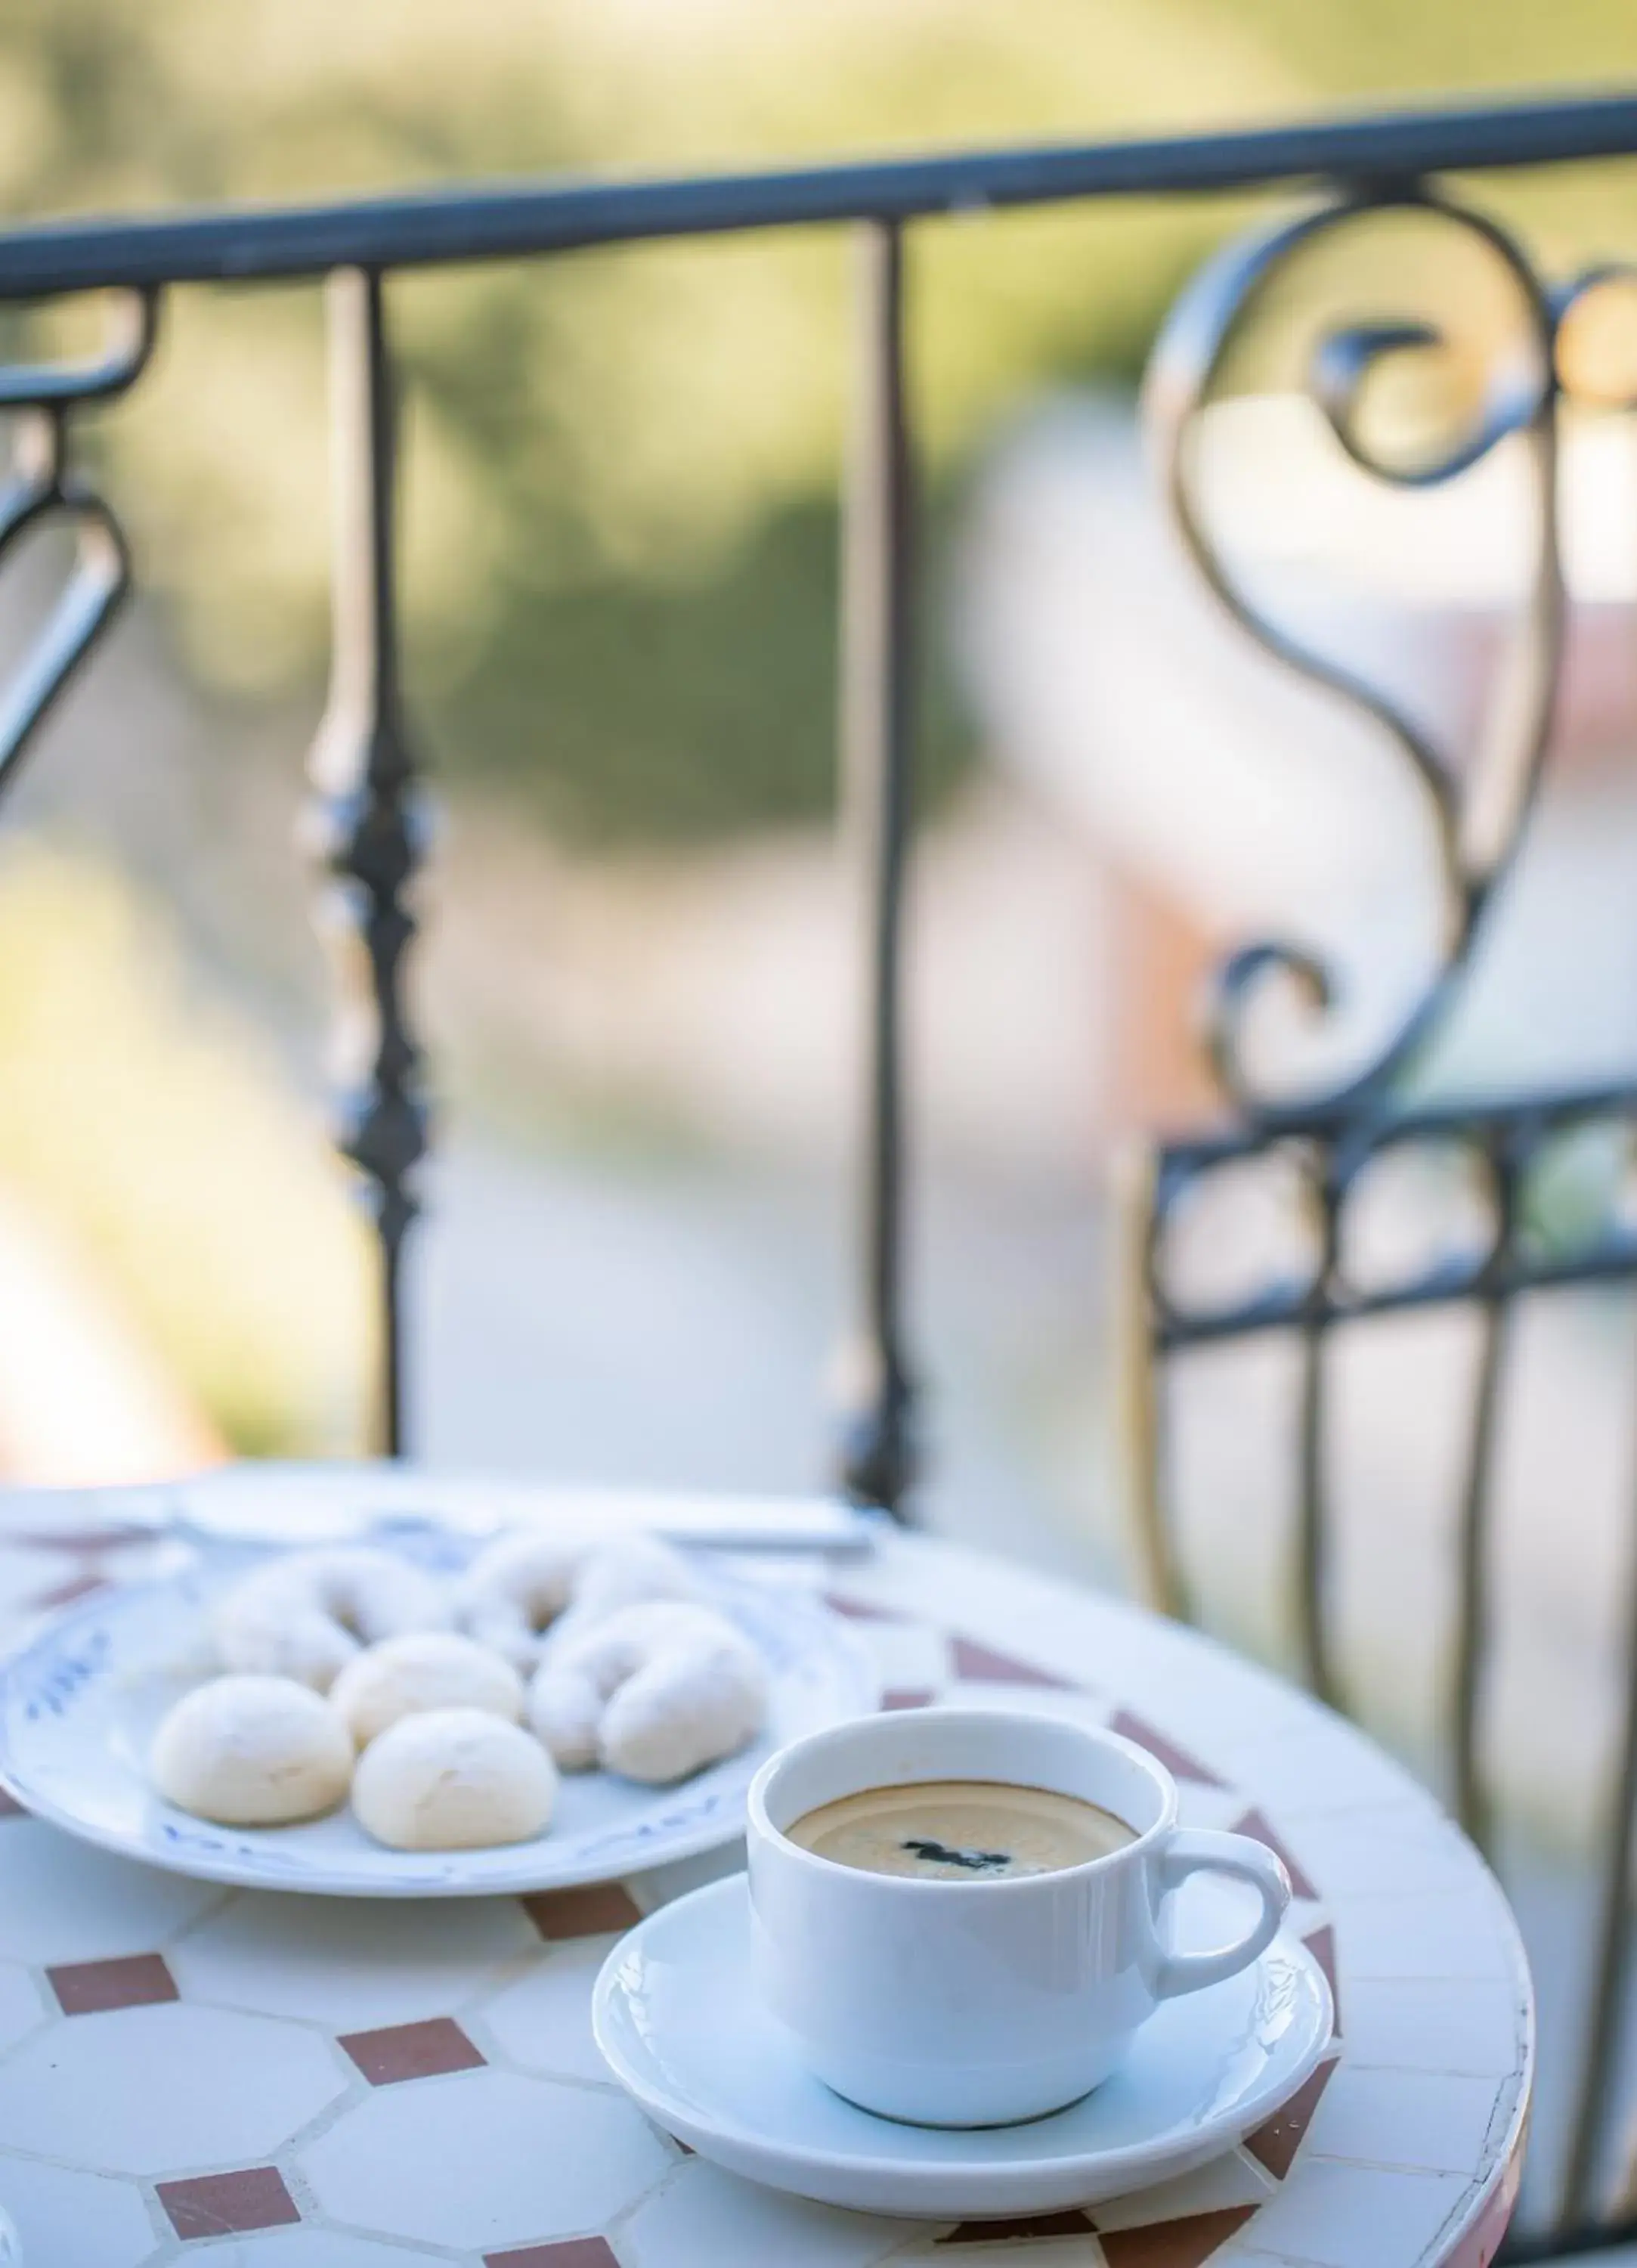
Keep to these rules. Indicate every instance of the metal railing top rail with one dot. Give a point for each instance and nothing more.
(506, 220)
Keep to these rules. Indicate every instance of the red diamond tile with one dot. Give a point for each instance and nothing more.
(590, 1911)
(1254, 1825)
(1322, 1945)
(577, 2252)
(1275, 2144)
(229, 2204)
(10, 1808)
(423, 2050)
(984, 1666)
(861, 1610)
(909, 1697)
(998, 2232)
(1175, 2243)
(1176, 1761)
(88, 1988)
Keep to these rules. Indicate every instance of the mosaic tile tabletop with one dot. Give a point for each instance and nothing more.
(189, 2074)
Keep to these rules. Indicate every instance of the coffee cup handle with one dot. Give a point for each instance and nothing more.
(1201, 1850)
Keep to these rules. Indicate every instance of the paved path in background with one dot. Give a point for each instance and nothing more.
(677, 1326)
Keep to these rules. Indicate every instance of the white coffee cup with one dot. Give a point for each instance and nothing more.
(979, 2003)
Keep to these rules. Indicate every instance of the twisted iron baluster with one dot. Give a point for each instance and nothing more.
(369, 823)
(40, 487)
(1314, 1397)
(877, 1459)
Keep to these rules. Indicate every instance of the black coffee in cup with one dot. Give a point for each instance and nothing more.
(972, 1830)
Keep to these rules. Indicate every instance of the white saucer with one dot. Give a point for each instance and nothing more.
(680, 2026)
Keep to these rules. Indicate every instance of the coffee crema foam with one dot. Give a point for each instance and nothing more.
(960, 1830)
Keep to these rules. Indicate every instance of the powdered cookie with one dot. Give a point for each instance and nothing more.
(453, 1779)
(252, 1752)
(428, 1669)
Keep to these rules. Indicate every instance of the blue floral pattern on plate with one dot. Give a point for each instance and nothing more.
(79, 1705)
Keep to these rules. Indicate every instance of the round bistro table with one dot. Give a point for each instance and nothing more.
(189, 2074)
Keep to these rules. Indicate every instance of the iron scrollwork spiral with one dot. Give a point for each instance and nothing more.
(42, 485)
(1477, 812)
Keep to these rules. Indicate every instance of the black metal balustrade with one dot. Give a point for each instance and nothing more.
(370, 837)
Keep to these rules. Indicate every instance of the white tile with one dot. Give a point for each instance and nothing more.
(1027, 1700)
(660, 1884)
(907, 1656)
(1228, 1706)
(21, 2005)
(1202, 1693)
(1039, 2252)
(1435, 2024)
(703, 2218)
(61, 1900)
(543, 2022)
(1429, 2120)
(1391, 1851)
(1340, 2216)
(350, 1963)
(998, 1605)
(307, 2248)
(166, 2090)
(1227, 2181)
(75, 2221)
(1320, 1766)
(1198, 1806)
(1186, 1683)
(484, 2160)
(1447, 1934)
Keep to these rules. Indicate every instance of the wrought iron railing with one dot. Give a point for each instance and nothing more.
(368, 830)
(1330, 1132)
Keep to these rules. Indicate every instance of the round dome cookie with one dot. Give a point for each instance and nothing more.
(249, 1751)
(424, 1669)
(453, 1779)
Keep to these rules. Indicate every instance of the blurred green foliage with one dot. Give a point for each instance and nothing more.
(620, 533)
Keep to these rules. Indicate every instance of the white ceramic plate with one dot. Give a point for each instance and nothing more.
(269, 1501)
(680, 2026)
(79, 1705)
